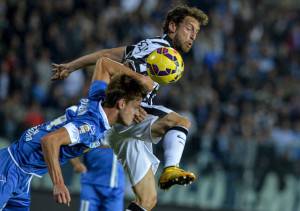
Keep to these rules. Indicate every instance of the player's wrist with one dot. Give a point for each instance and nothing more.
(71, 66)
(58, 181)
(58, 184)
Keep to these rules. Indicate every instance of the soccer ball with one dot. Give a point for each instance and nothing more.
(165, 65)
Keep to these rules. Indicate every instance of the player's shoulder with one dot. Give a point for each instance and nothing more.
(146, 46)
(98, 86)
(159, 40)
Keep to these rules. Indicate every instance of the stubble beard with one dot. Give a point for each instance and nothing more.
(179, 46)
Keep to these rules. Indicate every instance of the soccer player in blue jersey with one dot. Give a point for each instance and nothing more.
(102, 180)
(47, 146)
(181, 28)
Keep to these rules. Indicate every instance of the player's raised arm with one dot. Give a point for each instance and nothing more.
(107, 68)
(61, 71)
(51, 144)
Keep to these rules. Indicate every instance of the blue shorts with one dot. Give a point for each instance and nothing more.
(14, 185)
(96, 197)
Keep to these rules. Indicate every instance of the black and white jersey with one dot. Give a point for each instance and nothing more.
(135, 56)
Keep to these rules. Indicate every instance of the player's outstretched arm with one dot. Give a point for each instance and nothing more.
(51, 144)
(62, 71)
(107, 68)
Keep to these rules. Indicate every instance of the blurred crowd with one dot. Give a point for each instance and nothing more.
(240, 88)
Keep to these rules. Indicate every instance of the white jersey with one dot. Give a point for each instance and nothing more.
(133, 147)
(135, 56)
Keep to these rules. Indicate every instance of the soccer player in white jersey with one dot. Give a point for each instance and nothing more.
(181, 28)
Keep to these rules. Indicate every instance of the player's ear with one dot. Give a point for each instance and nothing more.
(172, 27)
(121, 104)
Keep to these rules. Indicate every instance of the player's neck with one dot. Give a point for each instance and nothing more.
(171, 36)
(112, 115)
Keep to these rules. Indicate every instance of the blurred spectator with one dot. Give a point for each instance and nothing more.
(73, 85)
(34, 116)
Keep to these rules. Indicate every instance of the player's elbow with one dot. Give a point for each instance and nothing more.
(46, 142)
(102, 65)
(115, 54)
(49, 143)
(106, 54)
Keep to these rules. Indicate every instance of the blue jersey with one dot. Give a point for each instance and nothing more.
(88, 118)
(103, 169)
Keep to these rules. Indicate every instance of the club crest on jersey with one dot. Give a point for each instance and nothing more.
(87, 128)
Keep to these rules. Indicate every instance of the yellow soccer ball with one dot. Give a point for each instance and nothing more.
(165, 65)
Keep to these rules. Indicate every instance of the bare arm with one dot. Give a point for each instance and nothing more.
(51, 144)
(115, 54)
(61, 71)
(106, 68)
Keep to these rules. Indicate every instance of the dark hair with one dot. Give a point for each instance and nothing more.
(123, 86)
(178, 13)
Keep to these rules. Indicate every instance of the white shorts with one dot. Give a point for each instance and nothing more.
(133, 146)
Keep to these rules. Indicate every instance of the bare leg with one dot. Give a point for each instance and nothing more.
(162, 125)
(145, 191)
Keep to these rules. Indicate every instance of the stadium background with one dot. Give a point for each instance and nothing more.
(240, 89)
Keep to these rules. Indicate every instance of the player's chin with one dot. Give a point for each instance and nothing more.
(186, 49)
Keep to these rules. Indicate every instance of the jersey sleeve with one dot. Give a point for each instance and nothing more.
(135, 55)
(128, 51)
(141, 49)
(97, 90)
(83, 132)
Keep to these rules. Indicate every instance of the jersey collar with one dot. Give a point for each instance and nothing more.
(167, 38)
(105, 119)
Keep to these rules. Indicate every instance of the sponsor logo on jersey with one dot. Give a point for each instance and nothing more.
(182, 139)
(83, 107)
(31, 132)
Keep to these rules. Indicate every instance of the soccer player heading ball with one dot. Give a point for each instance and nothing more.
(181, 28)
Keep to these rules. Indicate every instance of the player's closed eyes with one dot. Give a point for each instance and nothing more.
(191, 29)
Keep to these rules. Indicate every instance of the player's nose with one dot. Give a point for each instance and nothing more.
(193, 36)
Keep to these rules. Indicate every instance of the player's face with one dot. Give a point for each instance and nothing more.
(128, 112)
(186, 33)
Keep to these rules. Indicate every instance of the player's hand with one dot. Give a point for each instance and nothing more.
(61, 71)
(80, 168)
(61, 194)
(140, 115)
